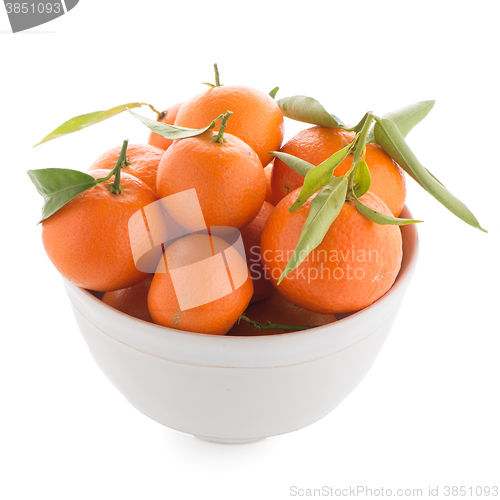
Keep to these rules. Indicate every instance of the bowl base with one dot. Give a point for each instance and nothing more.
(228, 441)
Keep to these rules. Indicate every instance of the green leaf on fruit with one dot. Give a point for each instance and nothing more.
(379, 218)
(83, 121)
(296, 164)
(325, 207)
(319, 176)
(362, 179)
(308, 110)
(274, 92)
(171, 131)
(388, 136)
(57, 186)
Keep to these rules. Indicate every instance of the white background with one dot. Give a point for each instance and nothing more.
(428, 412)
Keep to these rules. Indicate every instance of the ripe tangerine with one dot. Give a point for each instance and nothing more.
(356, 263)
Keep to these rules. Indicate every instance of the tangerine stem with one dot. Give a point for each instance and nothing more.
(159, 113)
(115, 187)
(219, 137)
(360, 147)
(217, 76)
(272, 326)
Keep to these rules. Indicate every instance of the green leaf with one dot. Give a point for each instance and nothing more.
(362, 179)
(379, 218)
(434, 177)
(57, 186)
(390, 139)
(296, 164)
(319, 176)
(308, 110)
(272, 326)
(171, 131)
(325, 208)
(274, 92)
(409, 116)
(87, 120)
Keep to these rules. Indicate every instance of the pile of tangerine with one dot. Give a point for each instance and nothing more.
(240, 185)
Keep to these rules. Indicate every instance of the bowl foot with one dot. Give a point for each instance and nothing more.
(228, 441)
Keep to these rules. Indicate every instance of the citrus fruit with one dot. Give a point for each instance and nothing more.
(316, 144)
(87, 239)
(256, 120)
(268, 172)
(228, 179)
(278, 310)
(313, 145)
(168, 116)
(202, 285)
(355, 264)
(142, 162)
(132, 300)
(250, 234)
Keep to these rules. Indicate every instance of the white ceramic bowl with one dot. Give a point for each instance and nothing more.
(239, 389)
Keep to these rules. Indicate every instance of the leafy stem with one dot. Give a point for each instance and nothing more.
(219, 137)
(272, 326)
(360, 147)
(115, 187)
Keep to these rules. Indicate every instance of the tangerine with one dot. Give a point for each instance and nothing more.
(142, 161)
(132, 300)
(256, 120)
(88, 240)
(201, 285)
(168, 116)
(356, 263)
(316, 144)
(268, 172)
(227, 176)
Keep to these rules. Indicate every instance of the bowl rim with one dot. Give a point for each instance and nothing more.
(147, 335)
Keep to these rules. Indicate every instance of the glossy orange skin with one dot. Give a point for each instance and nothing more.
(143, 162)
(316, 144)
(256, 119)
(251, 234)
(268, 172)
(313, 145)
(214, 317)
(168, 117)
(278, 310)
(132, 300)
(228, 178)
(87, 240)
(355, 264)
